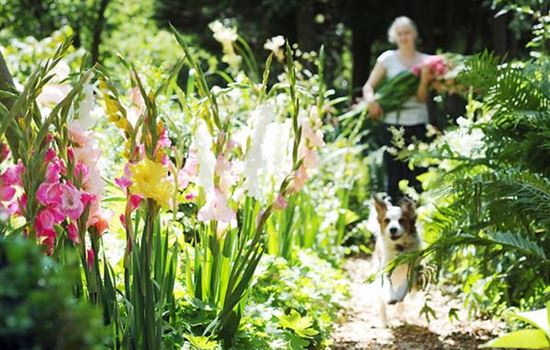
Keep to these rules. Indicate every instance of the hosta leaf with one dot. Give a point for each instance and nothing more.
(522, 339)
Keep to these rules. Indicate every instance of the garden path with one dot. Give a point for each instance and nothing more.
(362, 328)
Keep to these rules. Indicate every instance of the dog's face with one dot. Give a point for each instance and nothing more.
(395, 221)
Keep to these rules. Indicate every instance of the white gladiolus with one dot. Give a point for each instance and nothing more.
(202, 143)
(275, 45)
(466, 141)
(223, 34)
(277, 152)
(254, 163)
(85, 117)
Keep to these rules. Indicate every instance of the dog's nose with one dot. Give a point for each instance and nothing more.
(393, 230)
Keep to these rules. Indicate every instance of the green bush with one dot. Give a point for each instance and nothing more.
(38, 310)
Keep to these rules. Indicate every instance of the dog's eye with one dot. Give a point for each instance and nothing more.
(387, 221)
(401, 221)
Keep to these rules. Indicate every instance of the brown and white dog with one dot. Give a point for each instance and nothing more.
(396, 233)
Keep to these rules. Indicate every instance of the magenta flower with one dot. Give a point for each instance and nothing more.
(49, 193)
(12, 175)
(7, 193)
(56, 168)
(135, 201)
(72, 233)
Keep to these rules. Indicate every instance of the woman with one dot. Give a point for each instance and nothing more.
(413, 117)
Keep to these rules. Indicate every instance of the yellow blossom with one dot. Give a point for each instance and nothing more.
(149, 180)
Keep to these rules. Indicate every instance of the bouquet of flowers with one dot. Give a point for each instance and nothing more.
(392, 93)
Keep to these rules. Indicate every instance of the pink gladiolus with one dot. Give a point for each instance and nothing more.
(70, 154)
(12, 175)
(101, 224)
(90, 258)
(6, 193)
(72, 233)
(122, 218)
(81, 170)
(49, 193)
(123, 182)
(21, 205)
(280, 202)
(135, 201)
(190, 196)
(87, 198)
(163, 140)
(300, 179)
(56, 167)
(216, 208)
(71, 202)
(50, 154)
(44, 221)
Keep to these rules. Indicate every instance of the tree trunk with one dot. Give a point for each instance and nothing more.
(361, 45)
(98, 29)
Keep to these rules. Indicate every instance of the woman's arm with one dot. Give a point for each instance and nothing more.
(422, 93)
(378, 73)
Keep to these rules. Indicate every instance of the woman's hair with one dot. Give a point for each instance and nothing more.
(398, 22)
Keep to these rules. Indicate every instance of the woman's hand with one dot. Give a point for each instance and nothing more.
(425, 75)
(375, 111)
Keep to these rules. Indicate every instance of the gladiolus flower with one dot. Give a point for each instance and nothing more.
(149, 180)
(71, 202)
(90, 257)
(72, 233)
(216, 208)
(280, 202)
(135, 201)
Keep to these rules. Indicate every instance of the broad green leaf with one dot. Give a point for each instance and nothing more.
(522, 339)
(300, 325)
(201, 342)
(537, 318)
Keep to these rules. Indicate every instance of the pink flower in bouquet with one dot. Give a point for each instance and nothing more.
(216, 208)
(124, 181)
(72, 233)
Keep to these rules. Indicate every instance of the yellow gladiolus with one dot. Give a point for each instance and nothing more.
(149, 180)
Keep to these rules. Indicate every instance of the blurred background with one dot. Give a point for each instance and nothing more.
(353, 32)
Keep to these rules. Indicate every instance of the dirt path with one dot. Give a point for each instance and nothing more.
(363, 330)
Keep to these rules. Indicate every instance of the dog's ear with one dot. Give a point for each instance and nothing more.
(408, 207)
(380, 206)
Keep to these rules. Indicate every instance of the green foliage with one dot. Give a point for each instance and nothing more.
(491, 187)
(38, 308)
(537, 338)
